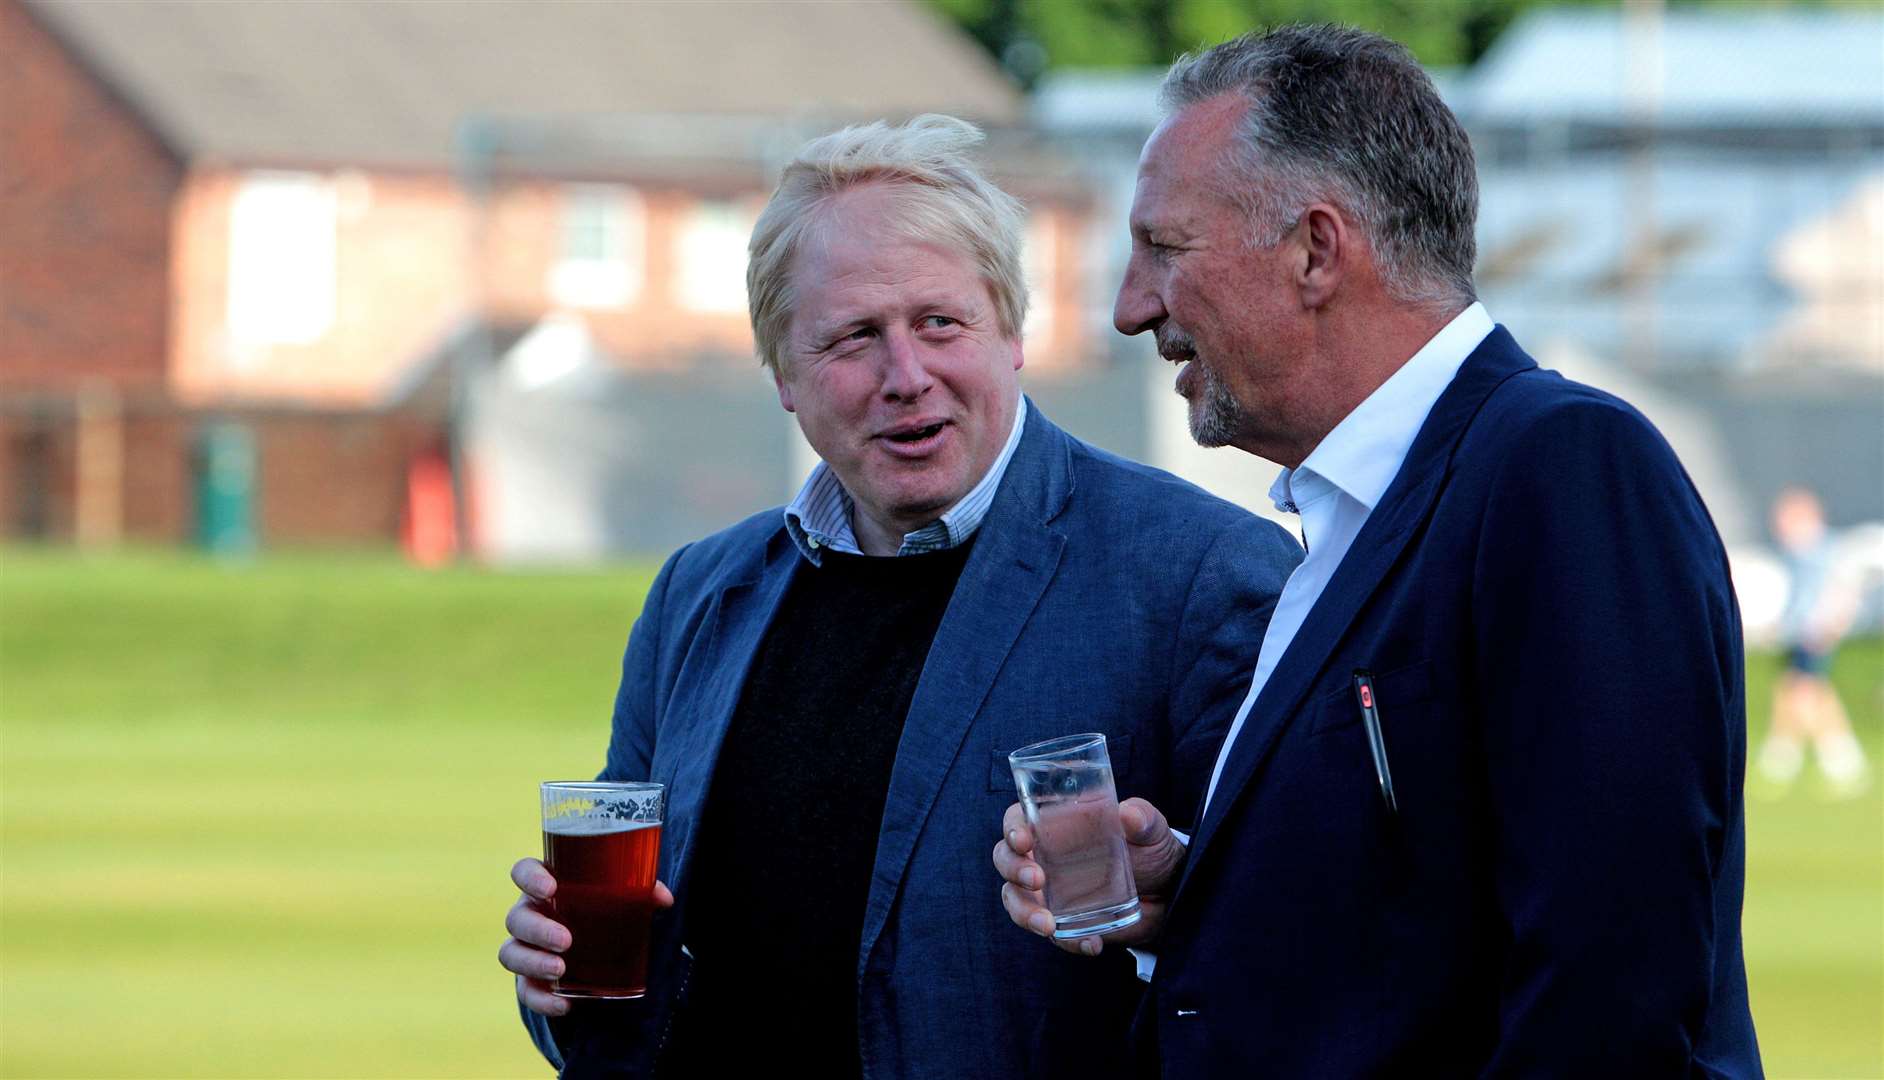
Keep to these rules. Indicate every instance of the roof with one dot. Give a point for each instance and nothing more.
(1098, 101)
(1733, 65)
(1558, 243)
(383, 83)
(1123, 102)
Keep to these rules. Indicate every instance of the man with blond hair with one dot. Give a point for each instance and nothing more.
(830, 690)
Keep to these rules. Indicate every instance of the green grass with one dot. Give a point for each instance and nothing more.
(255, 820)
(1814, 917)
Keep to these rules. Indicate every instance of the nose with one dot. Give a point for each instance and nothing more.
(1138, 307)
(905, 376)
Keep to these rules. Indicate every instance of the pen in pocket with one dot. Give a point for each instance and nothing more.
(1376, 742)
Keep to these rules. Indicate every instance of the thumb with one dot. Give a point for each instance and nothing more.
(1143, 824)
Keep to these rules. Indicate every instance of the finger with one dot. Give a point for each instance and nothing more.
(536, 997)
(532, 927)
(533, 878)
(663, 896)
(1025, 909)
(1143, 823)
(1018, 869)
(1014, 828)
(520, 959)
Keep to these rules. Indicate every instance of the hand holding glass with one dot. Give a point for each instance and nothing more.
(1066, 791)
(601, 842)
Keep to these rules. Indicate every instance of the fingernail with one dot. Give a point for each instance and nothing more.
(1090, 946)
(1013, 836)
(1030, 878)
(560, 969)
(1040, 923)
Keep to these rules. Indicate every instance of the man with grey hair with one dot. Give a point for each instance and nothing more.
(829, 689)
(1480, 812)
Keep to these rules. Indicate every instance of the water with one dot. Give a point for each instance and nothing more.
(1074, 813)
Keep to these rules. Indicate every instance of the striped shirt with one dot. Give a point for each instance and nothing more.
(819, 517)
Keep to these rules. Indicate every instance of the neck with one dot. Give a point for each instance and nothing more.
(874, 537)
(1354, 352)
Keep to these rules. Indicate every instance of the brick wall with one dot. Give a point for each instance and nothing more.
(322, 477)
(333, 477)
(401, 283)
(85, 196)
(654, 329)
(650, 329)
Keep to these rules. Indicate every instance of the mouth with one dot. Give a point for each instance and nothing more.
(914, 438)
(1175, 345)
(1188, 371)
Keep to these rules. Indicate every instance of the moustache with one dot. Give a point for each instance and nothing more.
(1175, 344)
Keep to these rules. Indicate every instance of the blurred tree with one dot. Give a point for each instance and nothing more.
(1030, 36)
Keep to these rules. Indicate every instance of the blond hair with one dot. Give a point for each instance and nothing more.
(942, 199)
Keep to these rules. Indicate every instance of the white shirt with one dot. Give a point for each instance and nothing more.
(1343, 479)
(819, 516)
(1338, 486)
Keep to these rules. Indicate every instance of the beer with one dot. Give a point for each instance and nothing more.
(604, 874)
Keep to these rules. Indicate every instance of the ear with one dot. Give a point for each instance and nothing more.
(1328, 242)
(1019, 359)
(784, 391)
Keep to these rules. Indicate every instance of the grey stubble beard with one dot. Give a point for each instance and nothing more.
(1216, 419)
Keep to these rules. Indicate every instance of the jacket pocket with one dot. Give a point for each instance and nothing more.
(1394, 692)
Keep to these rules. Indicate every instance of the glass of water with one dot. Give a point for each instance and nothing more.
(1066, 790)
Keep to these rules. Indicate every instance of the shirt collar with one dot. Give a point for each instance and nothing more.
(1364, 452)
(819, 516)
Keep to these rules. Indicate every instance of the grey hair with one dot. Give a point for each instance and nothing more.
(1345, 115)
(943, 199)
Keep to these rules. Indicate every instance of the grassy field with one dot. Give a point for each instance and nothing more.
(254, 820)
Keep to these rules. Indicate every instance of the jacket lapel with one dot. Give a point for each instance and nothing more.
(1015, 555)
(1402, 512)
(732, 630)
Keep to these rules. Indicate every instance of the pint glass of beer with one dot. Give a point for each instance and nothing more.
(601, 841)
(1066, 790)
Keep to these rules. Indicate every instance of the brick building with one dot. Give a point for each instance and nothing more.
(289, 216)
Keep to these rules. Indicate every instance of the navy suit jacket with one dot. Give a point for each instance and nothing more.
(1101, 595)
(1545, 607)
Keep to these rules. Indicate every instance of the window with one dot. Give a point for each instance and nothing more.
(281, 259)
(603, 237)
(711, 254)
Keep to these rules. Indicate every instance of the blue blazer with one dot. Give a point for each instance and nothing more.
(1101, 595)
(1545, 608)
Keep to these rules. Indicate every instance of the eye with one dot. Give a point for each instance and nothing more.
(938, 322)
(1159, 244)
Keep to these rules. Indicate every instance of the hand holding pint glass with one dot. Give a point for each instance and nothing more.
(581, 927)
(601, 842)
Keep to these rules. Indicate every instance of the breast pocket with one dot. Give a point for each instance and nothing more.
(1399, 695)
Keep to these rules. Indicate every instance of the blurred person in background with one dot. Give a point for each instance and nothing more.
(1480, 814)
(1819, 609)
(829, 689)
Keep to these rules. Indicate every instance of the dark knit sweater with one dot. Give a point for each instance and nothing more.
(789, 836)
